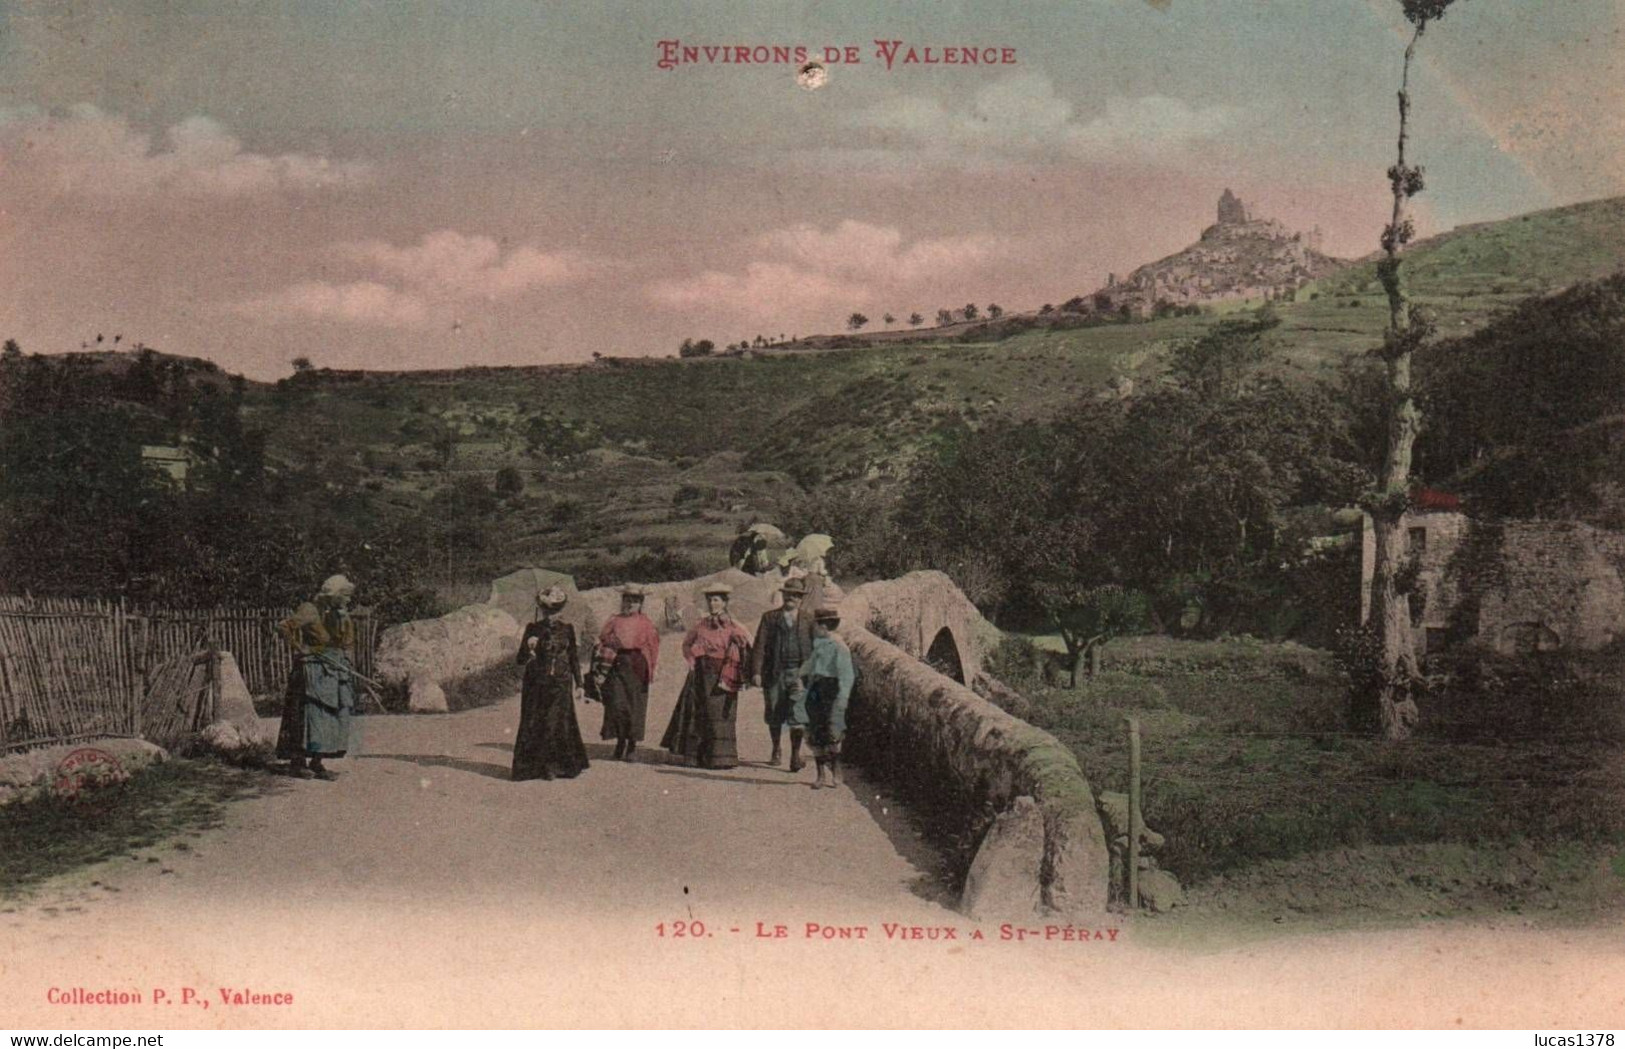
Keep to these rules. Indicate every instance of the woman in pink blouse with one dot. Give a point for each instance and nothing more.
(703, 727)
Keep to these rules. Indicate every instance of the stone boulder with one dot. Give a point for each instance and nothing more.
(425, 696)
(1005, 879)
(32, 772)
(515, 593)
(1114, 817)
(471, 639)
(236, 708)
(1160, 891)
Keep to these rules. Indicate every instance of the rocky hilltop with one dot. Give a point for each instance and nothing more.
(1241, 256)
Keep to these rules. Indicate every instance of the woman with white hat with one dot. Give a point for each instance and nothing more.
(704, 727)
(320, 697)
(548, 744)
(623, 667)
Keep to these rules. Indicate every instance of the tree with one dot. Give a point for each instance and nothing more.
(944, 317)
(1046, 309)
(994, 310)
(915, 320)
(1398, 675)
(1088, 617)
(302, 365)
(690, 348)
(970, 311)
(509, 483)
(856, 321)
(888, 320)
(12, 351)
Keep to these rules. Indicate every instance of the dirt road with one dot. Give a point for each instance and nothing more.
(425, 889)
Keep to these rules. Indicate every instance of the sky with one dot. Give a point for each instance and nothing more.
(414, 184)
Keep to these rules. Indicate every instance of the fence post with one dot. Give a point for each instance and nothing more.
(1133, 814)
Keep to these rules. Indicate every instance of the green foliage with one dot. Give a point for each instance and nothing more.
(1088, 617)
(509, 483)
(1541, 387)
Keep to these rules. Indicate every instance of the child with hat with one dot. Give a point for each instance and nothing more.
(829, 675)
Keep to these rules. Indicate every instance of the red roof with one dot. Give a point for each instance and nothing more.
(1433, 499)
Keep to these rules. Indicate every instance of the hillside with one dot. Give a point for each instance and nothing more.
(616, 460)
(685, 451)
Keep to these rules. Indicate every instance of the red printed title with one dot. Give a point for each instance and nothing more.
(893, 54)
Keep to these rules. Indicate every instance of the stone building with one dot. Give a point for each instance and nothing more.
(1511, 586)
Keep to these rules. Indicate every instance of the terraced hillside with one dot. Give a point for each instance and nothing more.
(622, 457)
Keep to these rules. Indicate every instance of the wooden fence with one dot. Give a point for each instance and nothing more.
(79, 669)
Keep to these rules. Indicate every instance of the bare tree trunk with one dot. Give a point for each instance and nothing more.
(1401, 678)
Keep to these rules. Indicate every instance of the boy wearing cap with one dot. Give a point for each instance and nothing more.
(784, 642)
(829, 675)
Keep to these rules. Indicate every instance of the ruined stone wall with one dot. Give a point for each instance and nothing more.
(1511, 585)
(1558, 586)
(958, 755)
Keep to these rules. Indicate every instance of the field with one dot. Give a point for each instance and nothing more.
(1506, 801)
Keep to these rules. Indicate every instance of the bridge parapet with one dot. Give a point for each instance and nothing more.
(963, 758)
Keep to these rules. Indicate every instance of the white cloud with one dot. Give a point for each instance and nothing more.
(803, 271)
(457, 264)
(358, 302)
(1022, 115)
(431, 282)
(100, 154)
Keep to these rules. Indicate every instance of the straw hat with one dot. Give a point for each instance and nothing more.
(634, 590)
(553, 597)
(720, 589)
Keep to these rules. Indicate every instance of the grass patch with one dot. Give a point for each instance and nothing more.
(47, 835)
(1247, 760)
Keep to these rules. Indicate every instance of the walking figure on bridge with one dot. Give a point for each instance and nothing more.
(784, 641)
(548, 744)
(320, 696)
(622, 669)
(704, 727)
(830, 676)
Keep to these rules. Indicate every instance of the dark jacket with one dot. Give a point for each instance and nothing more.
(767, 642)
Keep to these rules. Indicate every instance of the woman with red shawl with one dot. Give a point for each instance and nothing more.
(703, 728)
(623, 667)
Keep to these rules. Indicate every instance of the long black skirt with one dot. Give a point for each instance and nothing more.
(626, 699)
(703, 728)
(548, 745)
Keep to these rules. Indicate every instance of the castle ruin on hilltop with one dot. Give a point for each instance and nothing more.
(1239, 257)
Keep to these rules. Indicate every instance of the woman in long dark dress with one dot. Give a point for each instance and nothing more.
(549, 743)
(623, 667)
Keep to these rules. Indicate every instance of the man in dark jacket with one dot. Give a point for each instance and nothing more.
(783, 643)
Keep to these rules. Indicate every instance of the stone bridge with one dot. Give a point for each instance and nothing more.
(970, 770)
